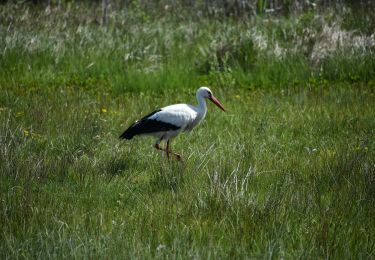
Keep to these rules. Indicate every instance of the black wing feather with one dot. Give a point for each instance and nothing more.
(146, 126)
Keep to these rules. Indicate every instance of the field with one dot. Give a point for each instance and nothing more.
(287, 172)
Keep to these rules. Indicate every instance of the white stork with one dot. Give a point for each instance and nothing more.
(167, 122)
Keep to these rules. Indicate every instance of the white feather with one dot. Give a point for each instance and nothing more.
(180, 115)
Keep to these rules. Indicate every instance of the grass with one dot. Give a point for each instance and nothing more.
(287, 172)
(66, 46)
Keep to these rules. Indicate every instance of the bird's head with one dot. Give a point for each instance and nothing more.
(205, 92)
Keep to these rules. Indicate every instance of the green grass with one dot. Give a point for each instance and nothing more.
(287, 172)
(67, 46)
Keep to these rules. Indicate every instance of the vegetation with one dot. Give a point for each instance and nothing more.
(68, 46)
(287, 172)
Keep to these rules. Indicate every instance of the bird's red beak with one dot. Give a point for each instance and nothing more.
(217, 103)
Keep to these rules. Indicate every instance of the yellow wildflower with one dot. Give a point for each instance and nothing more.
(19, 114)
(104, 110)
(35, 135)
(26, 133)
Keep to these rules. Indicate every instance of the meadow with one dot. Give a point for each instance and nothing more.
(287, 172)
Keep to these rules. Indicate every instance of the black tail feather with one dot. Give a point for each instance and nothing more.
(147, 126)
(132, 130)
(128, 134)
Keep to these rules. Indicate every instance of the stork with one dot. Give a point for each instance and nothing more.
(167, 122)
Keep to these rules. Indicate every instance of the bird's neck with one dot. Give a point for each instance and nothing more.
(202, 107)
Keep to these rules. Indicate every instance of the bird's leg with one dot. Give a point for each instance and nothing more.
(169, 151)
(157, 146)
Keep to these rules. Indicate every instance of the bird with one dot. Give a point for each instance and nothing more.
(168, 122)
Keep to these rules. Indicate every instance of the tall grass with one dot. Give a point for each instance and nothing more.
(287, 172)
(67, 46)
